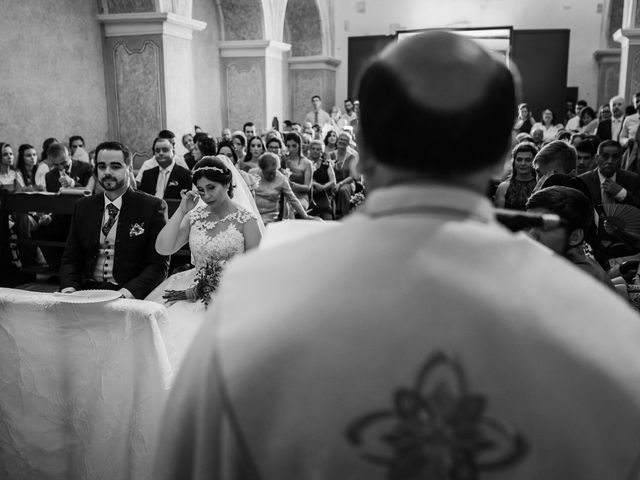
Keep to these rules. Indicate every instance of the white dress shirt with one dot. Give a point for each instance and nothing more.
(629, 128)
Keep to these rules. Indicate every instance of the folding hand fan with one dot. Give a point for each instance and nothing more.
(625, 217)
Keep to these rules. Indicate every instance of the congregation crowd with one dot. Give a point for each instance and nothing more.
(296, 170)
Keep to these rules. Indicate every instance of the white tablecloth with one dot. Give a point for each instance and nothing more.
(82, 386)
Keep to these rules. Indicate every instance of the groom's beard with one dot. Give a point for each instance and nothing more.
(111, 184)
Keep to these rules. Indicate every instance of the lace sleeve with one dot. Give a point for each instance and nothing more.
(243, 215)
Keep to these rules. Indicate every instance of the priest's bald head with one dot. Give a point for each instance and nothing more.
(436, 106)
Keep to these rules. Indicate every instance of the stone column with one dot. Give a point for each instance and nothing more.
(608, 73)
(309, 76)
(148, 70)
(629, 38)
(253, 82)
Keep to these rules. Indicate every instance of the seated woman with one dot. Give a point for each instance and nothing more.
(8, 176)
(344, 159)
(324, 180)
(256, 148)
(226, 148)
(588, 121)
(301, 168)
(26, 167)
(272, 185)
(514, 192)
(27, 223)
(548, 126)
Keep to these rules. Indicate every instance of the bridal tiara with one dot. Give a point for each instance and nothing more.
(215, 169)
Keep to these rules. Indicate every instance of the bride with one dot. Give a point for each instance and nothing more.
(218, 225)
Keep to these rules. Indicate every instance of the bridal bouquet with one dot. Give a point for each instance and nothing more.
(206, 282)
(356, 200)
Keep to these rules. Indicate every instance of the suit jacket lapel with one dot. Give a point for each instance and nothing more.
(124, 220)
(153, 180)
(96, 221)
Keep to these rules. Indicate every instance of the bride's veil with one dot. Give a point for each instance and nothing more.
(241, 194)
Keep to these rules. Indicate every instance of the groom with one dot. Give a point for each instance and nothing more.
(111, 243)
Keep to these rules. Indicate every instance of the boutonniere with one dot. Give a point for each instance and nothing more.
(173, 183)
(136, 230)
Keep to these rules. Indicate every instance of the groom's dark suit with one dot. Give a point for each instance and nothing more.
(136, 264)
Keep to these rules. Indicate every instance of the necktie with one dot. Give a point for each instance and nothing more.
(606, 198)
(162, 183)
(113, 213)
(316, 119)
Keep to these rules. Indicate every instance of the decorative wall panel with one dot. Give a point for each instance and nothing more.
(307, 83)
(138, 96)
(245, 85)
(303, 28)
(131, 6)
(243, 19)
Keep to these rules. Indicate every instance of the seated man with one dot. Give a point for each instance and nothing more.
(151, 162)
(166, 180)
(567, 240)
(609, 183)
(111, 243)
(66, 173)
(586, 154)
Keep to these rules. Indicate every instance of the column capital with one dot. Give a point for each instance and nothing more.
(149, 23)
(253, 48)
(607, 55)
(314, 62)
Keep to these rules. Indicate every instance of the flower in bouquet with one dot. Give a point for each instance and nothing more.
(205, 283)
(357, 199)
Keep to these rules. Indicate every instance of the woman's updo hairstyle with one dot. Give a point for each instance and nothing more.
(214, 169)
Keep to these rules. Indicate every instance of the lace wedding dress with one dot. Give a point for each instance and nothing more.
(220, 239)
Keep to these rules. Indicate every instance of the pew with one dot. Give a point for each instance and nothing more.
(40, 202)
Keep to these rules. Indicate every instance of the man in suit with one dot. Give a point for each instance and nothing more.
(611, 128)
(111, 243)
(168, 179)
(608, 183)
(425, 343)
(66, 173)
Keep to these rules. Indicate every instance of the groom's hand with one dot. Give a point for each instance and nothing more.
(68, 290)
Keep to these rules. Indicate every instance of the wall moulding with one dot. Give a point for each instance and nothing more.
(253, 48)
(313, 63)
(164, 23)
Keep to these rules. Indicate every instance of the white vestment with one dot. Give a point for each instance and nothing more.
(421, 335)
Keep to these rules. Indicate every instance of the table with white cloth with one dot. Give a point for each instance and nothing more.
(82, 386)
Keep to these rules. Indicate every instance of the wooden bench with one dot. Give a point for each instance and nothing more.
(39, 202)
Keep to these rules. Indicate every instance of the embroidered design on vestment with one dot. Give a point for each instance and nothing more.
(436, 430)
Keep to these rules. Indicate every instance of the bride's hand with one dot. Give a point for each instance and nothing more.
(189, 200)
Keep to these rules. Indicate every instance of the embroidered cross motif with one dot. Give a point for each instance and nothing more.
(113, 213)
(436, 429)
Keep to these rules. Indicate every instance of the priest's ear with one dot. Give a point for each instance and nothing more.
(576, 237)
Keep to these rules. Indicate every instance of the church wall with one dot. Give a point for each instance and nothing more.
(206, 69)
(52, 80)
(382, 17)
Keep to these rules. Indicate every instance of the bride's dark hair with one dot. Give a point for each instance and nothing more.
(214, 169)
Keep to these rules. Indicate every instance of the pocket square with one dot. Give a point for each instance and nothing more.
(172, 183)
(136, 230)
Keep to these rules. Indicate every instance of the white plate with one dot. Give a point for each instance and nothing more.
(88, 296)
